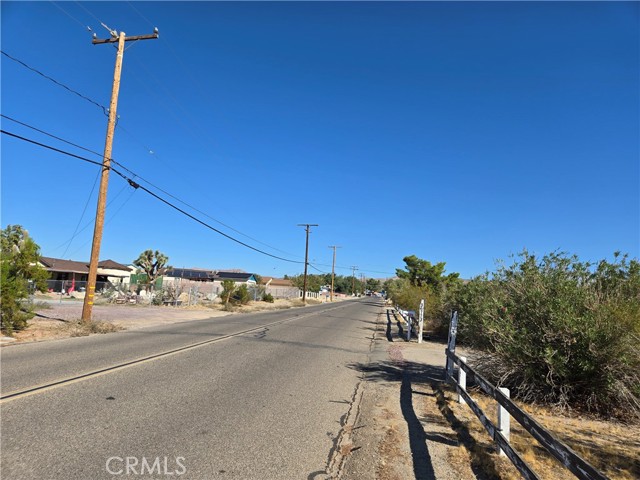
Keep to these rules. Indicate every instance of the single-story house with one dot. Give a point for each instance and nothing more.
(205, 281)
(280, 287)
(66, 274)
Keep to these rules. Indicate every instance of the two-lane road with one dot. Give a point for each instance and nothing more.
(262, 396)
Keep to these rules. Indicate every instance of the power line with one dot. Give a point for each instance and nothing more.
(141, 178)
(84, 210)
(90, 13)
(69, 15)
(49, 134)
(196, 209)
(84, 159)
(111, 217)
(90, 222)
(158, 197)
(104, 109)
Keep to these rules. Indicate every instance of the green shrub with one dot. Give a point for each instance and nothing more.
(158, 298)
(559, 331)
(20, 273)
(240, 295)
(267, 297)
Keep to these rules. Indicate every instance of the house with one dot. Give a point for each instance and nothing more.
(280, 287)
(195, 274)
(72, 274)
(248, 279)
(206, 282)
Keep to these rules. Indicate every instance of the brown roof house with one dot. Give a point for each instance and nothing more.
(72, 275)
(280, 287)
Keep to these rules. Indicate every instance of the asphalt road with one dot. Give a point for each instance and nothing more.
(270, 403)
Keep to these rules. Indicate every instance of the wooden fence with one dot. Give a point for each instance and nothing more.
(567, 457)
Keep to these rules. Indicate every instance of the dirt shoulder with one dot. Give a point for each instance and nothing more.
(400, 433)
(411, 425)
(59, 319)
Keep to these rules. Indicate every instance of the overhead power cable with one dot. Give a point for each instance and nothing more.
(84, 159)
(158, 197)
(141, 178)
(49, 134)
(104, 109)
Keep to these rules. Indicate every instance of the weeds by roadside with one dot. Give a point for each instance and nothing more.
(610, 446)
(83, 329)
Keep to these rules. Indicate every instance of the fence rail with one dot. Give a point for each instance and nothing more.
(567, 457)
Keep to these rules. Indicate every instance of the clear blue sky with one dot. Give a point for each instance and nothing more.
(458, 132)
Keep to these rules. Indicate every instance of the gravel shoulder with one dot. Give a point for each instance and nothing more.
(400, 432)
(59, 319)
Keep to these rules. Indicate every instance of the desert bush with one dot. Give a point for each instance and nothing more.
(20, 274)
(267, 297)
(559, 331)
(158, 298)
(240, 295)
(408, 297)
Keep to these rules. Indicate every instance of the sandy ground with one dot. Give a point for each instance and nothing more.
(55, 319)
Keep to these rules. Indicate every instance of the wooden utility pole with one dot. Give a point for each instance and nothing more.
(306, 257)
(333, 268)
(106, 166)
(353, 280)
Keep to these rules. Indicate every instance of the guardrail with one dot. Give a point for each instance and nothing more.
(413, 324)
(500, 434)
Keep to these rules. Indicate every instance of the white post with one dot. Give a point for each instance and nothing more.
(421, 320)
(504, 421)
(462, 380)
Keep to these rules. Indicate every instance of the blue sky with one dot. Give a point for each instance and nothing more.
(458, 132)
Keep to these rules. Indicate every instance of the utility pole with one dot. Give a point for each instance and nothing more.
(306, 257)
(333, 268)
(353, 279)
(106, 165)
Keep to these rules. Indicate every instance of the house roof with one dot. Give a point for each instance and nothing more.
(112, 265)
(73, 266)
(191, 273)
(61, 265)
(276, 282)
(240, 277)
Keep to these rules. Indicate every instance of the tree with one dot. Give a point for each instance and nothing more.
(20, 272)
(228, 289)
(342, 284)
(153, 264)
(373, 285)
(422, 273)
(314, 282)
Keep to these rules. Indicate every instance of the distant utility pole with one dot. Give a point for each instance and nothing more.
(333, 268)
(106, 164)
(353, 279)
(306, 257)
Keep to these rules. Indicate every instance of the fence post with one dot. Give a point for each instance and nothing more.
(451, 344)
(504, 426)
(409, 325)
(421, 321)
(462, 380)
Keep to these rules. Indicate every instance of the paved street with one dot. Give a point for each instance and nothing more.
(268, 403)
